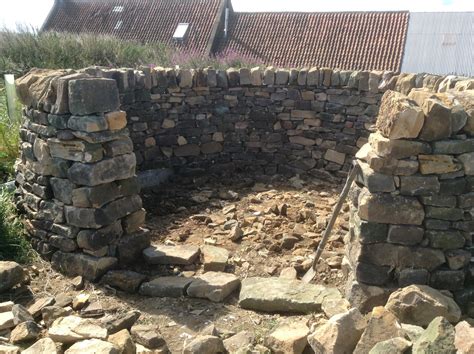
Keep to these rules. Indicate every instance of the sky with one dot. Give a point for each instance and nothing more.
(33, 12)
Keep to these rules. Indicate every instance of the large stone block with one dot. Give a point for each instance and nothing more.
(389, 209)
(398, 256)
(116, 168)
(399, 117)
(96, 95)
(419, 185)
(445, 239)
(438, 120)
(130, 247)
(91, 268)
(94, 240)
(374, 181)
(88, 124)
(405, 235)
(438, 164)
(75, 150)
(453, 146)
(397, 149)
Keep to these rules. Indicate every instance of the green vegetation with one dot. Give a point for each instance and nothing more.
(22, 50)
(9, 138)
(13, 243)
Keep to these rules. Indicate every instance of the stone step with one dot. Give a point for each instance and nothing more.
(179, 255)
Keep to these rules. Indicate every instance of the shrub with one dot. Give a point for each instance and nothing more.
(13, 242)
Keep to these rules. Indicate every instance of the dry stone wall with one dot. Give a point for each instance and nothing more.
(259, 120)
(76, 173)
(413, 201)
(85, 134)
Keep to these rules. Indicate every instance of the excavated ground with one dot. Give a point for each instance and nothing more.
(197, 211)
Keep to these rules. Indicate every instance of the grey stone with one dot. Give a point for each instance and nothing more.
(162, 254)
(413, 276)
(62, 189)
(125, 280)
(89, 267)
(405, 235)
(389, 209)
(215, 286)
(101, 137)
(75, 150)
(50, 313)
(89, 124)
(134, 221)
(453, 147)
(401, 257)
(392, 345)
(148, 336)
(288, 338)
(458, 259)
(283, 295)
(11, 274)
(238, 341)
(96, 239)
(214, 258)
(448, 279)
(365, 297)
(466, 200)
(130, 247)
(449, 214)
(374, 181)
(204, 345)
(468, 162)
(44, 345)
(369, 232)
(121, 146)
(439, 200)
(92, 346)
(95, 95)
(419, 185)
(338, 335)
(437, 124)
(24, 332)
(21, 314)
(372, 274)
(437, 338)
(116, 168)
(62, 243)
(420, 304)
(114, 324)
(166, 287)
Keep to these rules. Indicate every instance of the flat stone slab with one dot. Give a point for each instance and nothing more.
(283, 295)
(214, 258)
(215, 286)
(166, 287)
(162, 254)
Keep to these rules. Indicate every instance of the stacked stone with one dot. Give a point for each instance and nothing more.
(259, 120)
(76, 175)
(412, 205)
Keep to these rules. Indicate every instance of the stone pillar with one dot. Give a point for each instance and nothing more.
(76, 178)
(412, 204)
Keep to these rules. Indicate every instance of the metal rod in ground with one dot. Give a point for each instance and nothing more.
(310, 274)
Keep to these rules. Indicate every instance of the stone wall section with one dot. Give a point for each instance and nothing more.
(259, 120)
(76, 173)
(412, 205)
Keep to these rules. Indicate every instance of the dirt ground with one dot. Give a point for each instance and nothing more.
(197, 211)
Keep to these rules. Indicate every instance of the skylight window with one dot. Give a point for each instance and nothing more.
(117, 9)
(118, 25)
(181, 31)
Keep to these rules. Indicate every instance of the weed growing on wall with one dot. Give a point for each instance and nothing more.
(13, 243)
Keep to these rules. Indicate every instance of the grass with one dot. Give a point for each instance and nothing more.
(24, 49)
(13, 242)
(9, 138)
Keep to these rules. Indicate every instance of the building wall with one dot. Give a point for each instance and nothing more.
(440, 43)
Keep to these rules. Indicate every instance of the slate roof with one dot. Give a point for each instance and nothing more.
(142, 20)
(344, 40)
